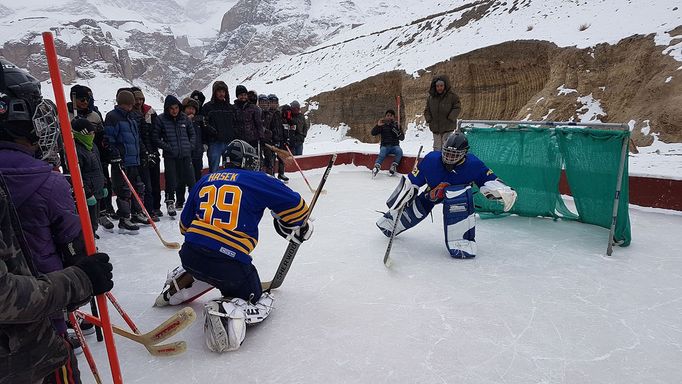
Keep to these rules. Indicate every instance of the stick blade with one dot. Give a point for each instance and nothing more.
(171, 244)
(176, 323)
(166, 350)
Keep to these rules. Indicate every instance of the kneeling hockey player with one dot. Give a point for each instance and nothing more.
(448, 175)
(220, 224)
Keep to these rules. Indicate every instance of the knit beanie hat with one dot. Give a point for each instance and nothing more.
(138, 94)
(240, 89)
(125, 98)
(295, 104)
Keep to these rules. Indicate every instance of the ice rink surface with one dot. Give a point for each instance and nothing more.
(541, 303)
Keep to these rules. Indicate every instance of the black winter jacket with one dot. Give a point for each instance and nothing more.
(220, 119)
(91, 170)
(249, 122)
(391, 135)
(174, 135)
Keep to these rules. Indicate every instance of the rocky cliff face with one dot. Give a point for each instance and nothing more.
(88, 46)
(530, 80)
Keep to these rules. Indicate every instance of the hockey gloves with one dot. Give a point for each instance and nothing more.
(497, 190)
(98, 269)
(297, 234)
(437, 193)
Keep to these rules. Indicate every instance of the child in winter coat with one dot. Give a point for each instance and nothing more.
(90, 165)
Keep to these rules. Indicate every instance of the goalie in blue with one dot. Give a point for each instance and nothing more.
(447, 175)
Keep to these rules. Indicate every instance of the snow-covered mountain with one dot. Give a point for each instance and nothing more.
(301, 48)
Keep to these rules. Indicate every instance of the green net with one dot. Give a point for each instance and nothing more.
(531, 160)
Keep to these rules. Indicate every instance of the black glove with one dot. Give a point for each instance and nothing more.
(153, 158)
(297, 234)
(98, 268)
(115, 160)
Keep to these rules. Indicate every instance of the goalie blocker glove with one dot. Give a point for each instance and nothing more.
(497, 190)
(404, 193)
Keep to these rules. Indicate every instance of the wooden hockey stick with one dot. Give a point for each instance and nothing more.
(300, 170)
(176, 323)
(167, 244)
(293, 246)
(284, 155)
(387, 255)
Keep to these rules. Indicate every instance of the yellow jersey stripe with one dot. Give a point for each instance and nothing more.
(249, 243)
(300, 205)
(294, 217)
(218, 238)
(297, 215)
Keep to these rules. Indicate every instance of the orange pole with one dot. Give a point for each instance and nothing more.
(72, 160)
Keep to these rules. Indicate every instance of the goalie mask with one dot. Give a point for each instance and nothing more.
(240, 154)
(25, 114)
(454, 150)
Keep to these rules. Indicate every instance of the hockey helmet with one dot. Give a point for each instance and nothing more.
(19, 97)
(240, 154)
(454, 150)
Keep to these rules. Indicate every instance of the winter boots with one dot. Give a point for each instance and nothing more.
(375, 170)
(105, 223)
(170, 207)
(139, 218)
(126, 226)
(393, 169)
(283, 178)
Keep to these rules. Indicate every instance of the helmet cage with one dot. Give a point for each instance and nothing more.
(46, 126)
(452, 156)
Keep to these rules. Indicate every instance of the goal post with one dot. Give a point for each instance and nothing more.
(531, 157)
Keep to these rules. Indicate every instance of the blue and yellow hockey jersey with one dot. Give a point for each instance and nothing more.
(432, 172)
(224, 208)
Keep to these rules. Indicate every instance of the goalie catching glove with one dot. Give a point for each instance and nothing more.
(497, 190)
(295, 233)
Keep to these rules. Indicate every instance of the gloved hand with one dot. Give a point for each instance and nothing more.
(153, 158)
(91, 201)
(437, 194)
(298, 234)
(98, 268)
(115, 161)
(105, 192)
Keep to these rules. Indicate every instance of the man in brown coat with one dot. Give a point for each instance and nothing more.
(442, 109)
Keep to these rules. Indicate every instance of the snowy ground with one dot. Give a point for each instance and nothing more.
(539, 304)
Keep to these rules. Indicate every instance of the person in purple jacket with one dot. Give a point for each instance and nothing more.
(42, 197)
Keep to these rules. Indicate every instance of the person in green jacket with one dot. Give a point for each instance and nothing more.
(442, 109)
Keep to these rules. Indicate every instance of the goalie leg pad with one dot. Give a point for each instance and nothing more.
(224, 326)
(181, 287)
(403, 194)
(459, 221)
(413, 214)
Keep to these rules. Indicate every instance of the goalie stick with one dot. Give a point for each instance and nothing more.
(169, 328)
(387, 255)
(293, 246)
(167, 244)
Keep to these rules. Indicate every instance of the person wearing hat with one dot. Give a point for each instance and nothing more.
(91, 169)
(150, 161)
(174, 134)
(279, 134)
(299, 128)
(82, 105)
(220, 119)
(249, 120)
(123, 138)
(266, 113)
(442, 109)
(190, 107)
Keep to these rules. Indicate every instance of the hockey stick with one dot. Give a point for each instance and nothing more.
(176, 323)
(167, 244)
(86, 349)
(284, 155)
(293, 246)
(300, 170)
(387, 255)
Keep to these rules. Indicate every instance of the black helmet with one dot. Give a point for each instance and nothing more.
(240, 154)
(19, 97)
(454, 150)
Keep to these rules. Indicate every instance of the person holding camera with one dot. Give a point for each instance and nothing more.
(391, 135)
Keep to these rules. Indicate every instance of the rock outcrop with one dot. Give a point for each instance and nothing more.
(532, 80)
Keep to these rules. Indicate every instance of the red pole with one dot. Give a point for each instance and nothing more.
(72, 160)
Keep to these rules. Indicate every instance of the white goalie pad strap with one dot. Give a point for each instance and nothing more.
(497, 190)
(404, 192)
(255, 313)
(196, 288)
(224, 326)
